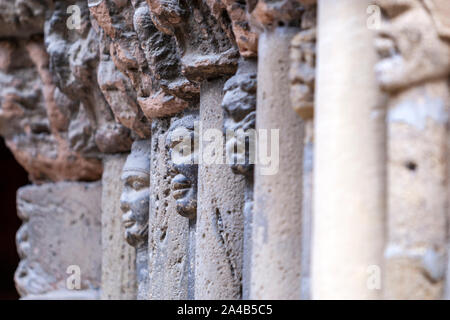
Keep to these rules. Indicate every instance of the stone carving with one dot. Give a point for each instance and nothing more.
(162, 56)
(246, 39)
(267, 14)
(19, 18)
(37, 120)
(147, 70)
(439, 11)
(119, 278)
(220, 214)
(410, 52)
(74, 57)
(73, 123)
(203, 36)
(144, 55)
(61, 228)
(134, 199)
(134, 203)
(120, 94)
(302, 73)
(414, 50)
(239, 104)
(172, 240)
(184, 172)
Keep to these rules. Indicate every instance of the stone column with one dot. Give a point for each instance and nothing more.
(302, 75)
(220, 219)
(239, 104)
(349, 162)
(118, 257)
(170, 234)
(134, 203)
(277, 228)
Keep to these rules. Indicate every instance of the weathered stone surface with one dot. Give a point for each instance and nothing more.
(183, 165)
(120, 94)
(19, 18)
(302, 73)
(417, 189)
(74, 56)
(49, 139)
(119, 279)
(220, 220)
(410, 47)
(440, 9)
(277, 222)
(162, 56)
(145, 55)
(63, 137)
(61, 228)
(239, 104)
(172, 236)
(414, 66)
(202, 37)
(302, 76)
(246, 39)
(134, 203)
(73, 99)
(267, 14)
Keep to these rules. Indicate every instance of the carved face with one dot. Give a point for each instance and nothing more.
(183, 165)
(409, 46)
(134, 203)
(239, 104)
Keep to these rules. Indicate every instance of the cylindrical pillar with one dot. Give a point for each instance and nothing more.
(349, 163)
(276, 252)
(220, 218)
(118, 257)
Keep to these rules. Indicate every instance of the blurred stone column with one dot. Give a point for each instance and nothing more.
(118, 257)
(220, 218)
(277, 228)
(302, 76)
(349, 163)
(417, 121)
(170, 234)
(277, 211)
(239, 105)
(417, 206)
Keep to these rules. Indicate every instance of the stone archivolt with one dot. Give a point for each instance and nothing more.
(75, 100)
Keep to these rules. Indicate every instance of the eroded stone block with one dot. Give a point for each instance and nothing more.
(59, 239)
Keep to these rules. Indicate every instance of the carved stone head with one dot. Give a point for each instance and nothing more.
(183, 164)
(239, 104)
(203, 36)
(134, 201)
(410, 47)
